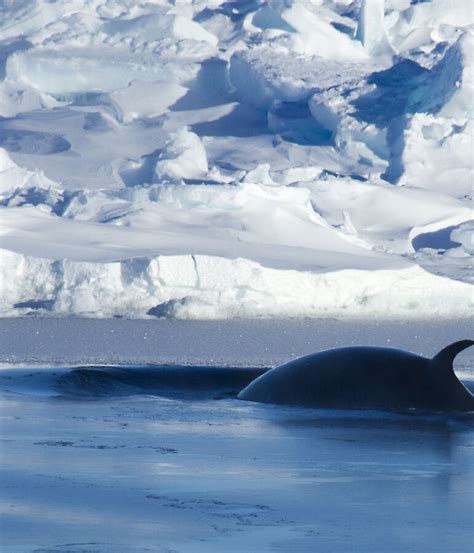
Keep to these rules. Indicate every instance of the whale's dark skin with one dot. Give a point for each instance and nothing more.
(366, 378)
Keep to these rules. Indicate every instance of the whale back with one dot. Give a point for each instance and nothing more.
(352, 377)
(364, 378)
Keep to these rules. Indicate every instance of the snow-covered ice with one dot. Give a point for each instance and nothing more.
(212, 159)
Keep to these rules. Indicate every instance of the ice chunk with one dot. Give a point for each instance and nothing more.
(437, 155)
(371, 113)
(154, 26)
(297, 174)
(461, 103)
(311, 35)
(13, 177)
(263, 74)
(423, 25)
(66, 71)
(145, 99)
(325, 112)
(16, 98)
(24, 17)
(6, 162)
(261, 175)
(464, 234)
(183, 157)
(370, 29)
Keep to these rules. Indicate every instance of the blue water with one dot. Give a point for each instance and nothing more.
(135, 459)
(138, 449)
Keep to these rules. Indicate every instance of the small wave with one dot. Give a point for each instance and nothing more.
(98, 382)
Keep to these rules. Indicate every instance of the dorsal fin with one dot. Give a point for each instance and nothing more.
(446, 356)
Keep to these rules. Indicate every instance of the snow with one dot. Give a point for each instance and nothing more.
(209, 159)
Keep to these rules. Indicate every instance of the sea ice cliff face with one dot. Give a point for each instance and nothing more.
(213, 159)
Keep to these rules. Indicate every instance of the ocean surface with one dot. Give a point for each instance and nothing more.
(126, 436)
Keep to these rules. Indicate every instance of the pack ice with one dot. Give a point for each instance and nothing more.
(212, 159)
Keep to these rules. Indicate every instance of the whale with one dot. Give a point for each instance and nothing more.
(366, 377)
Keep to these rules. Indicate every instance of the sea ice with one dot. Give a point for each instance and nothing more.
(210, 159)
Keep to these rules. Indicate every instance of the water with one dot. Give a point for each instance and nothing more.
(165, 458)
(58, 341)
